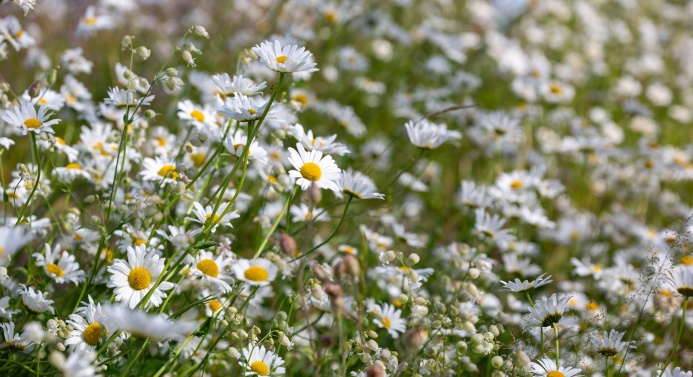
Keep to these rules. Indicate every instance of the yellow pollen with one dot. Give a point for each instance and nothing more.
(139, 279)
(140, 241)
(260, 368)
(556, 89)
(168, 171)
(91, 21)
(208, 267)
(592, 306)
(275, 155)
(19, 33)
(397, 303)
(92, 334)
(252, 111)
(78, 237)
(256, 273)
(70, 98)
(2, 250)
(517, 184)
(665, 292)
(198, 158)
(73, 166)
(216, 217)
(12, 194)
(281, 59)
(386, 323)
(572, 301)
(55, 270)
(60, 140)
(687, 260)
(198, 115)
(555, 373)
(32, 123)
(311, 171)
(272, 179)
(349, 250)
(301, 98)
(161, 141)
(214, 305)
(43, 101)
(331, 16)
(596, 268)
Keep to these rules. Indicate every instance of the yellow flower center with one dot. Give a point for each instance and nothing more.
(281, 59)
(43, 101)
(198, 115)
(216, 217)
(252, 111)
(198, 158)
(60, 140)
(92, 334)
(32, 123)
(301, 98)
(161, 141)
(517, 184)
(331, 16)
(555, 89)
(260, 368)
(311, 171)
(2, 250)
(91, 21)
(256, 273)
(687, 260)
(139, 278)
(214, 305)
(70, 98)
(592, 306)
(208, 267)
(19, 33)
(555, 373)
(168, 171)
(55, 270)
(73, 166)
(140, 241)
(386, 323)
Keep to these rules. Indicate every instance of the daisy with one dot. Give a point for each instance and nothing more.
(36, 301)
(609, 344)
(25, 118)
(389, 318)
(313, 167)
(122, 98)
(548, 368)
(262, 362)
(304, 212)
(677, 372)
(197, 115)
(518, 286)
(133, 279)
(358, 186)
(428, 135)
(491, 226)
(88, 328)
(236, 143)
(473, 195)
(229, 87)
(141, 325)
(204, 214)
(287, 59)
(159, 170)
(679, 279)
(5, 311)
(212, 270)
(324, 145)
(547, 311)
(65, 270)
(11, 239)
(259, 271)
(16, 342)
(79, 365)
(178, 236)
(243, 108)
(50, 99)
(91, 22)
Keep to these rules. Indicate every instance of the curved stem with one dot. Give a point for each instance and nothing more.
(285, 210)
(333, 232)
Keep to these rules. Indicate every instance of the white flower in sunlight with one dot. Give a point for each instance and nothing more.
(262, 362)
(26, 118)
(138, 323)
(204, 214)
(229, 87)
(134, 278)
(36, 301)
(258, 271)
(243, 108)
(428, 135)
(389, 318)
(159, 170)
(358, 186)
(286, 59)
(313, 167)
(211, 269)
(60, 266)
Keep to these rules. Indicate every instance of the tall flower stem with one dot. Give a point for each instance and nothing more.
(678, 338)
(555, 331)
(333, 232)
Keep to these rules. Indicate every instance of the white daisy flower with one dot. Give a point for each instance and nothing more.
(51, 99)
(65, 270)
(195, 114)
(211, 269)
(258, 271)
(236, 143)
(547, 311)
(491, 226)
(322, 144)
(677, 372)
(548, 368)
(521, 286)
(79, 365)
(286, 59)
(390, 318)
(141, 325)
(5, 311)
(16, 342)
(133, 279)
(204, 214)
(122, 98)
(88, 328)
(262, 362)
(304, 212)
(229, 87)
(26, 118)
(36, 301)
(313, 167)
(428, 135)
(159, 170)
(609, 344)
(92, 22)
(11, 239)
(679, 279)
(357, 187)
(243, 108)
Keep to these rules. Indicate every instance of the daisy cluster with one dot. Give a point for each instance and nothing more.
(350, 188)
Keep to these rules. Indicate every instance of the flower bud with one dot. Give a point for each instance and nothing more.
(314, 193)
(414, 259)
(126, 42)
(375, 371)
(352, 265)
(474, 273)
(150, 114)
(199, 30)
(497, 362)
(35, 89)
(326, 341)
(287, 245)
(143, 52)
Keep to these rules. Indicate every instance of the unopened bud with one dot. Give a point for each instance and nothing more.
(321, 272)
(35, 89)
(199, 30)
(375, 371)
(353, 267)
(126, 41)
(287, 245)
(52, 76)
(171, 72)
(339, 270)
(497, 362)
(326, 340)
(143, 52)
(150, 114)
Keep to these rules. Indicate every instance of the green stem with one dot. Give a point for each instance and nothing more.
(678, 338)
(555, 331)
(285, 210)
(333, 232)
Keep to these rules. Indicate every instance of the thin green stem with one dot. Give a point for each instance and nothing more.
(333, 232)
(678, 337)
(555, 331)
(285, 210)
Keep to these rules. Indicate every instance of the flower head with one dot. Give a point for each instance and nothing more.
(313, 167)
(26, 118)
(286, 59)
(134, 278)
